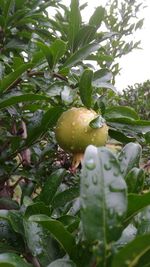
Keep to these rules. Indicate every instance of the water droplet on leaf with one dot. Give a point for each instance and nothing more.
(107, 167)
(90, 164)
(94, 180)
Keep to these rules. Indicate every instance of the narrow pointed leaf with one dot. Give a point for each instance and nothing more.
(12, 260)
(51, 185)
(131, 253)
(129, 157)
(135, 180)
(13, 76)
(97, 123)
(97, 17)
(58, 49)
(47, 53)
(84, 36)
(85, 87)
(121, 112)
(74, 22)
(62, 198)
(58, 231)
(21, 98)
(136, 203)
(81, 54)
(103, 195)
(62, 263)
(48, 121)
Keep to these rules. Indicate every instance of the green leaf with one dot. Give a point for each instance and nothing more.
(136, 203)
(62, 263)
(21, 98)
(130, 125)
(58, 49)
(143, 221)
(128, 234)
(97, 17)
(8, 204)
(74, 23)
(121, 137)
(84, 36)
(107, 86)
(81, 54)
(135, 180)
(131, 253)
(121, 112)
(47, 53)
(62, 198)
(13, 76)
(98, 122)
(49, 119)
(85, 87)
(70, 222)
(37, 208)
(51, 185)
(101, 76)
(12, 260)
(129, 157)
(58, 231)
(103, 196)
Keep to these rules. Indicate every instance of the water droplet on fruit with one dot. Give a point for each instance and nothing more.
(73, 123)
(85, 130)
(92, 139)
(90, 164)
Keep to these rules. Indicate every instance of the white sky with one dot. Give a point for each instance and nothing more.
(136, 65)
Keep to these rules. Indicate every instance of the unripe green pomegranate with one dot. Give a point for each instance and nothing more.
(74, 134)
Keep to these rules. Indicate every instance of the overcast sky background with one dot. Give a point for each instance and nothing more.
(136, 65)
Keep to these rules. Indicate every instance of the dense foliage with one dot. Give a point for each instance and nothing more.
(138, 96)
(49, 215)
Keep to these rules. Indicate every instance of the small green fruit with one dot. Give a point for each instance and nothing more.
(73, 132)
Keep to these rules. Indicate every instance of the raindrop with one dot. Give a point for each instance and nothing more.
(73, 123)
(116, 173)
(111, 212)
(107, 167)
(117, 187)
(85, 130)
(84, 197)
(86, 185)
(120, 214)
(94, 180)
(90, 164)
(120, 158)
(112, 160)
(92, 139)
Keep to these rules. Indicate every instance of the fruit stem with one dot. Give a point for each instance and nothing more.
(77, 159)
